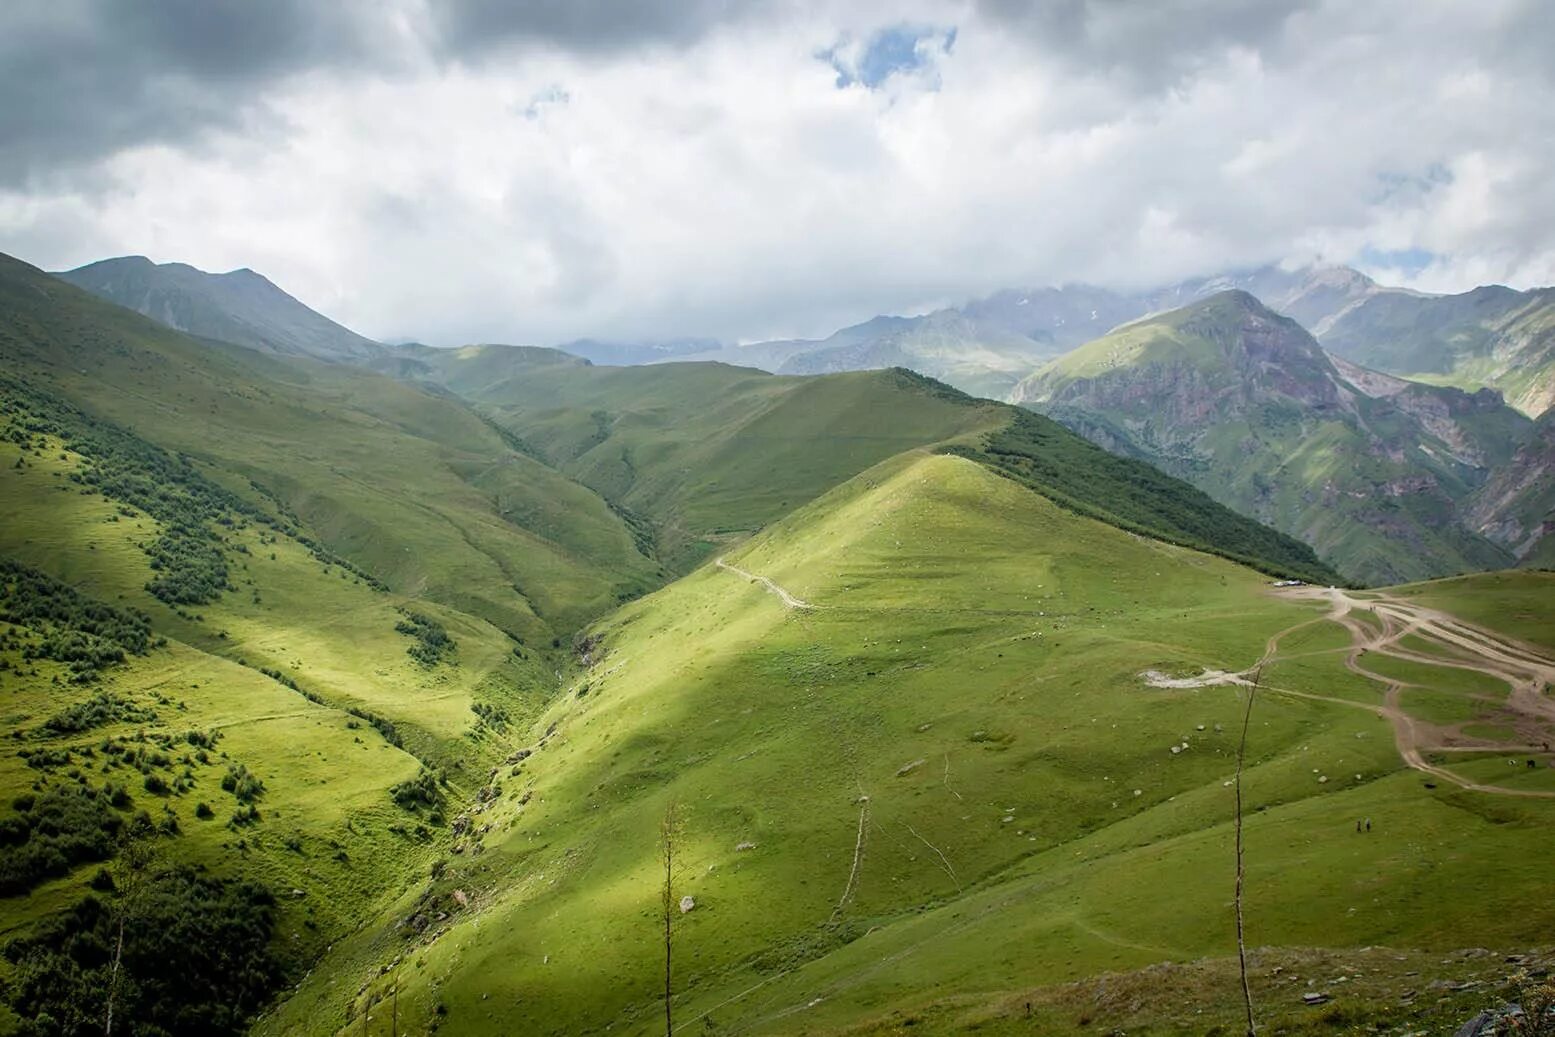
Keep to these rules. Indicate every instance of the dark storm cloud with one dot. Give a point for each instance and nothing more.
(82, 79)
(470, 27)
(1147, 45)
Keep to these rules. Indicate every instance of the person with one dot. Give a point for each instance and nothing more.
(1368, 824)
(1357, 824)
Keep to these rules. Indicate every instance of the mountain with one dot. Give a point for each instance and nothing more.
(987, 345)
(239, 306)
(1516, 505)
(1246, 405)
(704, 453)
(359, 702)
(1491, 336)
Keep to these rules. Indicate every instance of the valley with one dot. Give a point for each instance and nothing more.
(415, 655)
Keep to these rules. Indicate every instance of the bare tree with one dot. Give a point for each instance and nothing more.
(1241, 939)
(669, 839)
(131, 872)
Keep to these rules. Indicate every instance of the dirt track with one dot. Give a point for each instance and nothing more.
(1526, 670)
(788, 599)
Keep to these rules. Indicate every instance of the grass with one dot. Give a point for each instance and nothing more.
(972, 657)
(1515, 603)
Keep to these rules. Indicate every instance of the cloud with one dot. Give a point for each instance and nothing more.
(472, 27)
(83, 79)
(539, 172)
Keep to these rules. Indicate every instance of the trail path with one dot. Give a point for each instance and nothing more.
(1524, 669)
(788, 599)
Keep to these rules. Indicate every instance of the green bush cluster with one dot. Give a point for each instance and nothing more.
(432, 642)
(197, 960)
(51, 832)
(244, 785)
(101, 709)
(424, 790)
(187, 556)
(69, 627)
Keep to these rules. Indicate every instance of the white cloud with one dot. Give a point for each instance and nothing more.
(720, 183)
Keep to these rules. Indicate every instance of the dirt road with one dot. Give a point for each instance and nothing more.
(786, 598)
(1526, 671)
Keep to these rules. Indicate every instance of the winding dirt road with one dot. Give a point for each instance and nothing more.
(1526, 671)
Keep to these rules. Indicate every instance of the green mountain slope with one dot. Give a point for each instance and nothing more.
(931, 771)
(1492, 336)
(239, 306)
(414, 488)
(1244, 404)
(257, 730)
(704, 452)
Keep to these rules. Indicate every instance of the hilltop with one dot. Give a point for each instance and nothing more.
(239, 306)
(1245, 404)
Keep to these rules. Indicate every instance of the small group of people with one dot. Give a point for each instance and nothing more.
(1363, 824)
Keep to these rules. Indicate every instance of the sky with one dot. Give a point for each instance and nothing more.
(535, 171)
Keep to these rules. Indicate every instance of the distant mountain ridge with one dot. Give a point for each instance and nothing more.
(240, 306)
(1244, 403)
(986, 345)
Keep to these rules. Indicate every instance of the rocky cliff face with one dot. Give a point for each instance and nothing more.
(1516, 505)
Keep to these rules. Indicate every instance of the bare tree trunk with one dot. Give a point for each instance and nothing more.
(669, 832)
(113, 975)
(131, 870)
(1241, 939)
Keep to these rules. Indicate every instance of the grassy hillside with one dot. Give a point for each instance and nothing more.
(933, 776)
(1369, 470)
(417, 490)
(1516, 505)
(183, 664)
(704, 452)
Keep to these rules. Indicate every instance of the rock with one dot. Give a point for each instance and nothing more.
(1315, 998)
(742, 847)
(461, 898)
(687, 904)
(1478, 1025)
(908, 768)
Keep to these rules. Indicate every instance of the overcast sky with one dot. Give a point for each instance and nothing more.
(480, 170)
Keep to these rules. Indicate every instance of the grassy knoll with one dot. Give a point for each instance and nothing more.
(964, 691)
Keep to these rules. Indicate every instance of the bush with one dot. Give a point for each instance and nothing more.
(242, 783)
(196, 961)
(432, 643)
(53, 832)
